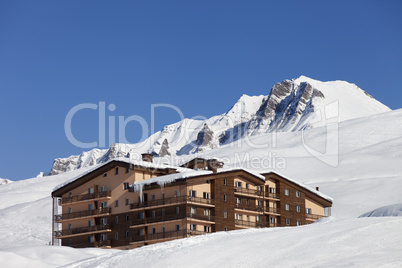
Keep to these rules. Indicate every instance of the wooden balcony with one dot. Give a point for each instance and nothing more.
(272, 196)
(171, 201)
(85, 197)
(82, 214)
(82, 231)
(249, 224)
(165, 235)
(314, 217)
(171, 217)
(244, 191)
(271, 210)
(250, 207)
(96, 244)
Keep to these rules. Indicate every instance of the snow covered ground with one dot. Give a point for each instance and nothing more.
(368, 176)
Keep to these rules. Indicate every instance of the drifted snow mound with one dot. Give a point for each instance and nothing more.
(386, 211)
(5, 181)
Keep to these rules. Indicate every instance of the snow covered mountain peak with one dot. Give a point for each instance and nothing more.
(292, 105)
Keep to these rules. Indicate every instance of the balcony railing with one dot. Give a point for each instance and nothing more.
(106, 243)
(166, 235)
(80, 214)
(249, 223)
(82, 230)
(170, 201)
(171, 217)
(248, 191)
(314, 216)
(250, 207)
(84, 197)
(272, 195)
(272, 210)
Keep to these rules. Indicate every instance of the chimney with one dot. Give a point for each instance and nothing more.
(214, 164)
(317, 188)
(147, 157)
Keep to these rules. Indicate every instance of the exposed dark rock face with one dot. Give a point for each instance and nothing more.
(205, 136)
(164, 149)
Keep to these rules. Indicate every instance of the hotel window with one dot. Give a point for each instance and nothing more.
(193, 227)
(246, 185)
(225, 214)
(259, 188)
(205, 195)
(286, 191)
(258, 218)
(272, 220)
(238, 200)
(308, 210)
(103, 221)
(153, 197)
(91, 190)
(298, 208)
(238, 184)
(127, 170)
(163, 195)
(260, 203)
(141, 232)
(297, 193)
(287, 207)
(207, 229)
(192, 193)
(70, 242)
(116, 171)
(126, 185)
(224, 181)
(91, 239)
(177, 227)
(163, 212)
(116, 219)
(116, 203)
(177, 193)
(70, 210)
(127, 234)
(193, 210)
(287, 221)
(153, 231)
(163, 229)
(127, 218)
(225, 229)
(153, 213)
(91, 223)
(116, 236)
(225, 198)
(127, 201)
(239, 217)
(103, 204)
(70, 194)
(70, 226)
(298, 222)
(207, 212)
(271, 190)
(177, 210)
(103, 188)
(141, 215)
(247, 218)
(248, 202)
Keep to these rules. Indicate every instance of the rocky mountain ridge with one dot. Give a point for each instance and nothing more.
(291, 105)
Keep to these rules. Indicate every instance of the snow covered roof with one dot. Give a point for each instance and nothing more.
(326, 197)
(122, 159)
(163, 180)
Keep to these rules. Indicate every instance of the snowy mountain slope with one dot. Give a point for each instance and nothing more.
(368, 176)
(5, 181)
(386, 211)
(367, 242)
(292, 105)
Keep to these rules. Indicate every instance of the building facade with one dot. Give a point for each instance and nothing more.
(127, 204)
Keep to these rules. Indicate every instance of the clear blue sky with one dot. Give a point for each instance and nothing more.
(198, 55)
